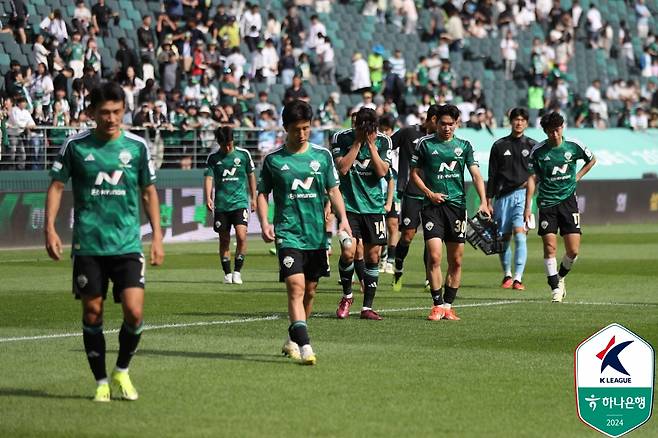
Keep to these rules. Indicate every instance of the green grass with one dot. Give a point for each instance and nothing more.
(504, 370)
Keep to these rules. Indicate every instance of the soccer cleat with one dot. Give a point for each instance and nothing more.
(517, 285)
(382, 266)
(122, 380)
(436, 313)
(307, 355)
(450, 315)
(228, 279)
(370, 314)
(507, 282)
(102, 393)
(557, 296)
(273, 251)
(397, 283)
(389, 268)
(428, 288)
(343, 310)
(291, 350)
(237, 278)
(562, 287)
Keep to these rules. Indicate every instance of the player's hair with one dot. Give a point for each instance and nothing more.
(432, 111)
(387, 121)
(519, 112)
(296, 111)
(224, 135)
(448, 110)
(366, 120)
(551, 120)
(106, 92)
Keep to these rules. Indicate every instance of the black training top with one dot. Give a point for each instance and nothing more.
(406, 139)
(508, 165)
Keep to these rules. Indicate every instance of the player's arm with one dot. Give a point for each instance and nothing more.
(267, 230)
(436, 198)
(586, 168)
(338, 206)
(207, 189)
(378, 164)
(344, 163)
(491, 181)
(53, 202)
(478, 182)
(252, 191)
(389, 195)
(152, 209)
(529, 193)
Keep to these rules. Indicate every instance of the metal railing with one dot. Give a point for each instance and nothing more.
(37, 148)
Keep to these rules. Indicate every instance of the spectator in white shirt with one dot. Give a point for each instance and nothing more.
(325, 52)
(360, 73)
(236, 62)
(250, 26)
(639, 121)
(270, 62)
(508, 48)
(398, 66)
(316, 33)
(643, 15)
(596, 102)
(20, 121)
(83, 15)
(55, 26)
(39, 50)
(408, 10)
(594, 25)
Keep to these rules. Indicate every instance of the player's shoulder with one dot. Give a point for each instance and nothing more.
(500, 142)
(385, 139)
(73, 140)
(343, 133)
(273, 154)
(243, 151)
(138, 141)
(321, 151)
(463, 143)
(538, 146)
(575, 143)
(426, 139)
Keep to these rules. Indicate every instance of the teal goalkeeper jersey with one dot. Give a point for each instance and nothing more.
(107, 179)
(556, 169)
(230, 173)
(443, 164)
(361, 187)
(298, 183)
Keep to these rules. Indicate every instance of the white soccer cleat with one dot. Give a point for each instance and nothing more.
(562, 287)
(382, 266)
(291, 349)
(557, 296)
(228, 279)
(308, 357)
(389, 269)
(237, 278)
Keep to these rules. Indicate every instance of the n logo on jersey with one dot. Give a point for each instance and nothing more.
(105, 177)
(560, 169)
(229, 172)
(445, 166)
(362, 164)
(306, 184)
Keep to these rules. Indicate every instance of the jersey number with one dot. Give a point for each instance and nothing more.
(576, 219)
(460, 226)
(380, 227)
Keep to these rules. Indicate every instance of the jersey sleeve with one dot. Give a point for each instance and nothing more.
(250, 163)
(209, 165)
(265, 179)
(469, 159)
(336, 147)
(418, 156)
(146, 168)
(385, 148)
(331, 174)
(532, 161)
(61, 168)
(585, 153)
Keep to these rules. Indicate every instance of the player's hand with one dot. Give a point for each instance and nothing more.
(53, 245)
(157, 251)
(267, 233)
(437, 198)
(344, 225)
(484, 208)
(527, 213)
(253, 205)
(387, 207)
(359, 138)
(371, 138)
(210, 205)
(491, 208)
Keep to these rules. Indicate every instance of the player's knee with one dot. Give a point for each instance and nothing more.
(133, 316)
(572, 254)
(434, 261)
(92, 317)
(455, 265)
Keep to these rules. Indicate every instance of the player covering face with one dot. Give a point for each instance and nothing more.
(299, 175)
(111, 172)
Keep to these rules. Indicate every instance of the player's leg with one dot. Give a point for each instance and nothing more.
(346, 268)
(454, 256)
(434, 248)
(240, 252)
(222, 226)
(370, 280)
(548, 227)
(571, 247)
(359, 261)
(520, 239)
(392, 226)
(502, 218)
(569, 223)
(298, 330)
(410, 219)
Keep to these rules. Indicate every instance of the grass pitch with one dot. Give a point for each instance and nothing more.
(210, 365)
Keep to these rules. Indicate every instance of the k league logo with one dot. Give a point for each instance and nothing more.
(614, 373)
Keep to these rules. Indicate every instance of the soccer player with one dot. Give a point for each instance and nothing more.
(442, 158)
(232, 170)
(299, 174)
(363, 158)
(553, 172)
(111, 171)
(406, 140)
(392, 205)
(508, 178)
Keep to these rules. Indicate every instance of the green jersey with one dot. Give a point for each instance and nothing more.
(361, 187)
(555, 168)
(443, 164)
(299, 182)
(107, 179)
(231, 174)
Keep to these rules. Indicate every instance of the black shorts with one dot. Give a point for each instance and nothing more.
(445, 222)
(394, 213)
(310, 262)
(564, 216)
(224, 219)
(410, 213)
(370, 228)
(91, 274)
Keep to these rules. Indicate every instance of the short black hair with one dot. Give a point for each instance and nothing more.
(366, 120)
(432, 111)
(107, 91)
(296, 111)
(224, 135)
(551, 120)
(387, 121)
(519, 112)
(447, 110)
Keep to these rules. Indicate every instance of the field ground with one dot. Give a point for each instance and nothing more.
(210, 366)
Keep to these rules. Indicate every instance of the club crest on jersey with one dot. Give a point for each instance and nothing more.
(125, 157)
(567, 155)
(288, 261)
(544, 225)
(315, 165)
(459, 151)
(525, 152)
(236, 161)
(429, 226)
(82, 281)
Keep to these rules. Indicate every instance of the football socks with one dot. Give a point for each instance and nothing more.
(298, 333)
(370, 278)
(551, 272)
(520, 255)
(359, 268)
(390, 256)
(128, 340)
(239, 261)
(401, 252)
(346, 272)
(94, 342)
(437, 299)
(506, 259)
(450, 294)
(565, 266)
(226, 265)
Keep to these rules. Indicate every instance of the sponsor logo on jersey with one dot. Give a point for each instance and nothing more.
(525, 152)
(459, 151)
(507, 152)
(547, 158)
(306, 184)
(230, 172)
(125, 157)
(362, 164)
(90, 157)
(445, 166)
(429, 226)
(315, 165)
(285, 167)
(288, 261)
(560, 169)
(114, 179)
